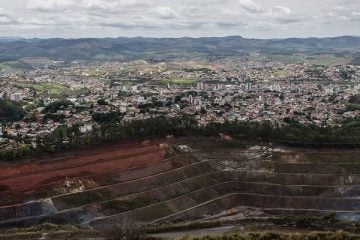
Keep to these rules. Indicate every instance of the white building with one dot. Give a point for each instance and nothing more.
(86, 128)
(16, 97)
(123, 108)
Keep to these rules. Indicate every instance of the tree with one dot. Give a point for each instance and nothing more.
(355, 99)
(110, 117)
(57, 105)
(101, 102)
(10, 111)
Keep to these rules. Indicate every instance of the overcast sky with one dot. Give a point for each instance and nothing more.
(177, 18)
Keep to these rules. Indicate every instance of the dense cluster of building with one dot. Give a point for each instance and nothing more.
(240, 91)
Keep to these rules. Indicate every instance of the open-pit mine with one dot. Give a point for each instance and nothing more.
(166, 185)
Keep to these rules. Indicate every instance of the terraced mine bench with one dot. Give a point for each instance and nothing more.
(157, 185)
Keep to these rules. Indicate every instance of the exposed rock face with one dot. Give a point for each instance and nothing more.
(156, 183)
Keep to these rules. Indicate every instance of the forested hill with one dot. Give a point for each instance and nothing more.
(167, 48)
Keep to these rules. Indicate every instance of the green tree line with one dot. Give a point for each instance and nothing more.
(65, 137)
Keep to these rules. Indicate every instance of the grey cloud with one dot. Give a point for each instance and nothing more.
(250, 18)
(283, 15)
(165, 12)
(6, 19)
(127, 25)
(250, 6)
(280, 10)
(287, 20)
(229, 24)
(99, 4)
(113, 4)
(50, 5)
(193, 11)
(79, 5)
(339, 14)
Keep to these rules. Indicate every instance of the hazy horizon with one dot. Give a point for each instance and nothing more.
(164, 37)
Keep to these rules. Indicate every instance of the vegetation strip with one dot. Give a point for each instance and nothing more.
(200, 190)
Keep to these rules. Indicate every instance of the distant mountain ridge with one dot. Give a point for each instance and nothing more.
(9, 39)
(167, 48)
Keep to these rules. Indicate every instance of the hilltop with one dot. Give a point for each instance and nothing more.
(170, 48)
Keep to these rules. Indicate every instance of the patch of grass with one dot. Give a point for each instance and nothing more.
(353, 107)
(14, 65)
(49, 89)
(187, 226)
(281, 236)
(329, 60)
(48, 227)
(281, 73)
(317, 59)
(180, 81)
(80, 199)
(286, 58)
(127, 205)
(183, 81)
(97, 73)
(332, 158)
(158, 211)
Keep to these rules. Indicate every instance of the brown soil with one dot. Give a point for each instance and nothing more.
(29, 175)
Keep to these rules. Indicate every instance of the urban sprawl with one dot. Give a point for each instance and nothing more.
(56, 94)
